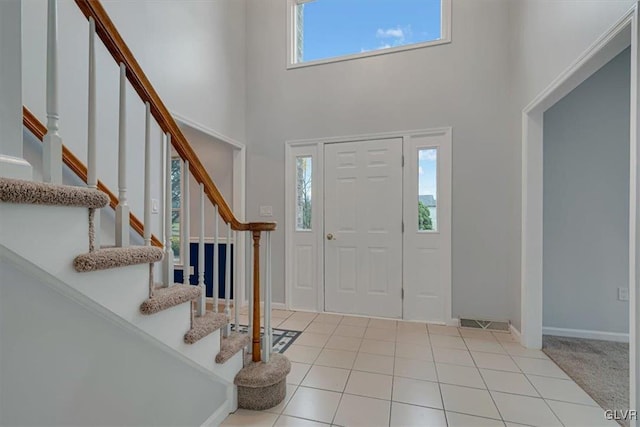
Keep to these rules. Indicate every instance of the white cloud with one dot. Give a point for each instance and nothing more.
(420, 170)
(397, 33)
(430, 155)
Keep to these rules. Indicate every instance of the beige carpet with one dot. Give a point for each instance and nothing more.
(601, 368)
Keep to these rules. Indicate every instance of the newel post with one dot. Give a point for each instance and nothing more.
(255, 347)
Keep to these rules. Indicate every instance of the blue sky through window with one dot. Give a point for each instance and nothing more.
(427, 172)
(335, 28)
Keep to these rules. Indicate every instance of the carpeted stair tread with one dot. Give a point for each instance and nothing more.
(231, 345)
(106, 258)
(205, 325)
(164, 298)
(42, 193)
(263, 385)
(259, 374)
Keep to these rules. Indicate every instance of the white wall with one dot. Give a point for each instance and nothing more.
(10, 80)
(64, 364)
(217, 158)
(462, 84)
(546, 36)
(586, 203)
(192, 51)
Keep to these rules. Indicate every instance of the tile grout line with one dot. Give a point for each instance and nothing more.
(435, 367)
(534, 387)
(485, 382)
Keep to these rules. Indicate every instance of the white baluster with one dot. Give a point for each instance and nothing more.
(52, 150)
(122, 210)
(186, 238)
(92, 157)
(168, 213)
(268, 333)
(236, 298)
(147, 175)
(227, 280)
(216, 261)
(250, 293)
(202, 306)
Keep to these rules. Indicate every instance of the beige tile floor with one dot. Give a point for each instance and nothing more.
(356, 371)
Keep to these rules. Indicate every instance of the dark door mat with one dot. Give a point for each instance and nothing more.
(601, 368)
(282, 338)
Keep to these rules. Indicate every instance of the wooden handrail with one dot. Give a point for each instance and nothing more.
(121, 53)
(38, 129)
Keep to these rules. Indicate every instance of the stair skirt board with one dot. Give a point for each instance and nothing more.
(41, 193)
(263, 385)
(164, 298)
(205, 325)
(231, 345)
(106, 258)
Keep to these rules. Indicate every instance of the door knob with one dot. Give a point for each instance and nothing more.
(330, 237)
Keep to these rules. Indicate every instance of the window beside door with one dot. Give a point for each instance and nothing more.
(428, 189)
(304, 169)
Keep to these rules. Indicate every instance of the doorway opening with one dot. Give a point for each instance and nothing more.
(535, 215)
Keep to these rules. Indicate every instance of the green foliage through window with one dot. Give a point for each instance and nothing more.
(424, 217)
(303, 193)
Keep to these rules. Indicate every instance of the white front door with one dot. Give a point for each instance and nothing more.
(363, 227)
(427, 235)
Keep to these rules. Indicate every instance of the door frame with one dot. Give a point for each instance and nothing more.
(610, 44)
(314, 147)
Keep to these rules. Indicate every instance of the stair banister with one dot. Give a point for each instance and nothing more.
(251, 287)
(131, 71)
(236, 299)
(140, 83)
(255, 334)
(227, 280)
(185, 225)
(122, 210)
(216, 259)
(92, 149)
(52, 152)
(168, 214)
(202, 304)
(76, 166)
(147, 175)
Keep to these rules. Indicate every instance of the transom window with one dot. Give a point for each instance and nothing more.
(336, 30)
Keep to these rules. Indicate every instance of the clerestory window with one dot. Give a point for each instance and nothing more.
(336, 30)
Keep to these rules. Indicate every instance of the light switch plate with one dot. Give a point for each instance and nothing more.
(266, 210)
(623, 294)
(155, 206)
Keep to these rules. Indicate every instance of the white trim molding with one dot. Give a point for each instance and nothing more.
(208, 131)
(602, 51)
(625, 32)
(584, 333)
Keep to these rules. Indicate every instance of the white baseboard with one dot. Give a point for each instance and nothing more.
(584, 333)
(278, 306)
(218, 416)
(515, 332)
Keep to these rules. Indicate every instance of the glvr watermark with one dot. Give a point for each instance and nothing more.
(621, 414)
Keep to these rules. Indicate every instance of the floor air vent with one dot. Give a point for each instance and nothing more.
(484, 324)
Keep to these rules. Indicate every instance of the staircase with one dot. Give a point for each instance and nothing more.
(57, 229)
